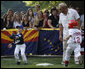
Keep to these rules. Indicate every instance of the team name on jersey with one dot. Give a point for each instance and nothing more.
(77, 33)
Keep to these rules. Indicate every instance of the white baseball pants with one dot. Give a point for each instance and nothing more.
(20, 48)
(70, 48)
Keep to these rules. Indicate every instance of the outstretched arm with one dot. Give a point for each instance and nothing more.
(50, 25)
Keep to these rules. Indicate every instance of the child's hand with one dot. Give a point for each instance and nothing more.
(10, 45)
(35, 28)
(65, 39)
(16, 37)
(54, 28)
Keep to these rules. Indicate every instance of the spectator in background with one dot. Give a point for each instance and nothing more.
(82, 21)
(78, 10)
(4, 17)
(17, 21)
(2, 24)
(31, 17)
(22, 16)
(53, 18)
(71, 7)
(38, 22)
(25, 22)
(3, 20)
(37, 8)
(10, 13)
(45, 16)
(9, 23)
(14, 15)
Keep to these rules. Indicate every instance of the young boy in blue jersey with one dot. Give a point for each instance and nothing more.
(20, 45)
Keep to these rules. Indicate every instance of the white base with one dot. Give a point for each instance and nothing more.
(43, 64)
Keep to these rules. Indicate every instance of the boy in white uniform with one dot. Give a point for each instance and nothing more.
(74, 39)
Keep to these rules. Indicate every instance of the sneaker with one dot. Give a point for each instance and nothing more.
(66, 63)
(18, 63)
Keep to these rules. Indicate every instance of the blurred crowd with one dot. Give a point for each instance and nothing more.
(31, 19)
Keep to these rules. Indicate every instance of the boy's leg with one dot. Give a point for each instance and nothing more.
(64, 50)
(69, 50)
(77, 54)
(22, 48)
(16, 54)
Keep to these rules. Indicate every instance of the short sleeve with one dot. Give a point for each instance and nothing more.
(76, 15)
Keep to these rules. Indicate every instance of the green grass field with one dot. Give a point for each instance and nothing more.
(32, 61)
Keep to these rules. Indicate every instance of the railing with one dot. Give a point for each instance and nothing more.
(38, 42)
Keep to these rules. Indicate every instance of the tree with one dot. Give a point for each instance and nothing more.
(24, 5)
(43, 4)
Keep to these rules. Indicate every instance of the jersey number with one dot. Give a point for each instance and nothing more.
(76, 39)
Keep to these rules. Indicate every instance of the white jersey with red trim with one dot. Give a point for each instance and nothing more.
(76, 36)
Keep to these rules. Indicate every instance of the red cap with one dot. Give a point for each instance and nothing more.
(72, 24)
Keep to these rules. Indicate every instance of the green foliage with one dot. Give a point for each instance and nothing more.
(43, 4)
(24, 5)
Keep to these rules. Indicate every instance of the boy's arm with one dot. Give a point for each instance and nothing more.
(12, 37)
(65, 39)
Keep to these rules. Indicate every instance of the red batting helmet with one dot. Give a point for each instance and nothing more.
(72, 24)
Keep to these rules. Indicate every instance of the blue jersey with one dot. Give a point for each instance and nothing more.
(19, 40)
